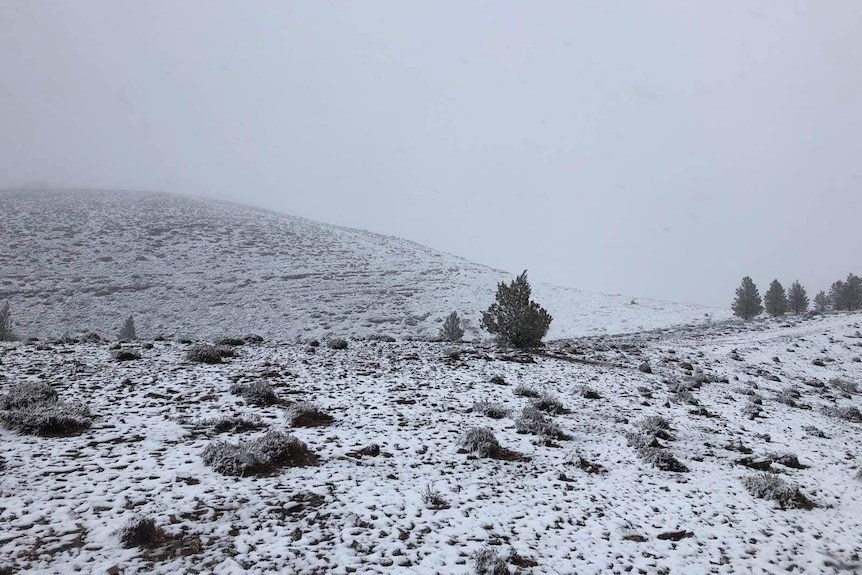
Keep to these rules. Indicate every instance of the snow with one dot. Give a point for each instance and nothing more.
(189, 267)
(64, 499)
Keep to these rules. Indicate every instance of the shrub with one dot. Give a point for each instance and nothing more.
(433, 499)
(657, 426)
(522, 390)
(307, 415)
(258, 393)
(204, 354)
(846, 413)
(771, 486)
(487, 562)
(126, 355)
(232, 423)
(514, 318)
(452, 330)
(253, 338)
(6, 333)
(27, 394)
(140, 531)
(49, 419)
(230, 341)
(533, 421)
(549, 403)
(260, 455)
(844, 385)
(662, 459)
(490, 409)
(481, 441)
(337, 343)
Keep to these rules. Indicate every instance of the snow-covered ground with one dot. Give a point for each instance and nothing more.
(63, 499)
(81, 261)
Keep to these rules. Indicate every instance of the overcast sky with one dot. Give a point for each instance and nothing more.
(658, 149)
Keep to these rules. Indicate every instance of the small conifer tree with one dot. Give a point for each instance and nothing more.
(853, 292)
(775, 299)
(838, 296)
(515, 319)
(128, 331)
(797, 298)
(747, 304)
(821, 301)
(6, 333)
(452, 330)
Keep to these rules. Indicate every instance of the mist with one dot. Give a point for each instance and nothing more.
(657, 150)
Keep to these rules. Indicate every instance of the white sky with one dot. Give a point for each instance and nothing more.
(659, 149)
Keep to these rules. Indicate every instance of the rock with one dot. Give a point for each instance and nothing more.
(675, 535)
(645, 368)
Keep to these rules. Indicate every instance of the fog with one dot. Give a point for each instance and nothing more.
(657, 149)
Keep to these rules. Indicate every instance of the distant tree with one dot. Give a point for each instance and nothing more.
(747, 304)
(821, 301)
(797, 298)
(838, 296)
(853, 292)
(128, 331)
(452, 330)
(515, 319)
(6, 333)
(775, 299)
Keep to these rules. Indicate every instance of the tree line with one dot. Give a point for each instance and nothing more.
(844, 295)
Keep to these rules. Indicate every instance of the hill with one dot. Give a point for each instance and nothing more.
(190, 267)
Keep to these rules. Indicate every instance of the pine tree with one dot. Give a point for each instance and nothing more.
(838, 296)
(128, 331)
(853, 292)
(747, 304)
(775, 299)
(6, 333)
(515, 319)
(821, 301)
(797, 298)
(452, 330)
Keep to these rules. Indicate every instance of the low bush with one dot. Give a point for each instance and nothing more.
(126, 354)
(487, 562)
(230, 341)
(204, 354)
(140, 531)
(258, 393)
(27, 394)
(522, 390)
(549, 404)
(232, 423)
(491, 409)
(307, 415)
(48, 419)
(772, 487)
(481, 441)
(846, 413)
(261, 455)
(657, 426)
(533, 421)
(337, 343)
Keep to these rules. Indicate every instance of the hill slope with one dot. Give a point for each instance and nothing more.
(83, 260)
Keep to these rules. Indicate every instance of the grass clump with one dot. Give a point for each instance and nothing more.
(657, 426)
(482, 442)
(549, 404)
(487, 562)
(307, 415)
(846, 413)
(770, 486)
(433, 499)
(258, 393)
(126, 354)
(522, 390)
(257, 456)
(27, 394)
(49, 419)
(337, 343)
(232, 423)
(491, 409)
(533, 421)
(204, 354)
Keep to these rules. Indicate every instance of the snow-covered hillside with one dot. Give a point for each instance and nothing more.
(84, 260)
(629, 469)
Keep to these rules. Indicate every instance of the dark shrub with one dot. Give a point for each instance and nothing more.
(232, 423)
(253, 338)
(204, 354)
(549, 404)
(337, 343)
(230, 341)
(307, 415)
(140, 531)
(126, 354)
(847, 413)
(526, 391)
(261, 455)
(533, 421)
(492, 410)
(487, 562)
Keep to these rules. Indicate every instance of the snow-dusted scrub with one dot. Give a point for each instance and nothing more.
(140, 531)
(656, 426)
(126, 354)
(204, 354)
(487, 562)
(231, 423)
(481, 441)
(337, 343)
(549, 403)
(433, 499)
(532, 420)
(263, 454)
(848, 413)
(491, 409)
(48, 419)
(27, 394)
(772, 487)
(848, 387)
(522, 390)
(258, 393)
(305, 414)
